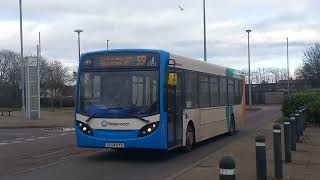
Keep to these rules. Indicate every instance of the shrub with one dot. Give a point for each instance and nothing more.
(314, 111)
(58, 102)
(294, 101)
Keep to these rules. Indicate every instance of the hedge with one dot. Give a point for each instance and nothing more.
(294, 101)
(58, 102)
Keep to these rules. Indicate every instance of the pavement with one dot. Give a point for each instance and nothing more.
(306, 160)
(57, 157)
(48, 120)
(305, 163)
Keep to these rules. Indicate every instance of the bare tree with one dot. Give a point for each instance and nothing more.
(10, 67)
(58, 77)
(310, 70)
(266, 75)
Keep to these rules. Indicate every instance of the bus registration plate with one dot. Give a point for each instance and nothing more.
(114, 145)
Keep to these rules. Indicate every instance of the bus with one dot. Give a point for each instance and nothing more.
(153, 99)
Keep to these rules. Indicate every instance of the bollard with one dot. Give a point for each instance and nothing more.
(293, 133)
(277, 151)
(304, 118)
(287, 141)
(301, 122)
(297, 127)
(261, 163)
(227, 168)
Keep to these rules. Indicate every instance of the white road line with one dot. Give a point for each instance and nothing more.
(62, 134)
(41, 137)
(48, 154)
(30, 139)
(17, 141)
(58, 161)
(1, 144)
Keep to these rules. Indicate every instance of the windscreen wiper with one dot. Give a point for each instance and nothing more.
(95, 113)
(140, 118)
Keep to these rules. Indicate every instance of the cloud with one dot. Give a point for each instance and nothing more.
(161, 25)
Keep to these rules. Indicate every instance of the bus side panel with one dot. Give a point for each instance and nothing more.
(237, 115)
(213, 122)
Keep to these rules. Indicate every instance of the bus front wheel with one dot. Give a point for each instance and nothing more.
(189, 138)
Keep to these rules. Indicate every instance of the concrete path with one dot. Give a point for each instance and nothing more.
(48, 120)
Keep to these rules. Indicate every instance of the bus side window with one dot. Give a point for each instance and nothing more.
(231, 91)
(214, 91)
(223, 91)
(191, 89)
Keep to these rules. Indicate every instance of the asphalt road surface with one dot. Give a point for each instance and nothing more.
(56, 157)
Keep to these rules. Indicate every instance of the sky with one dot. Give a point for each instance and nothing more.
(162, 25)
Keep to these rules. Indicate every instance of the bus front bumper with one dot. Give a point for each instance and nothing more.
(128, 139)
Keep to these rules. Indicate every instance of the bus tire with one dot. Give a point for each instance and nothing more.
(190, 138)
(233, 126)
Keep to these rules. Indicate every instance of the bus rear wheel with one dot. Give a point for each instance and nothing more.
(189, 138)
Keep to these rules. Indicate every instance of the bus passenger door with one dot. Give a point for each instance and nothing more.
(174, 100)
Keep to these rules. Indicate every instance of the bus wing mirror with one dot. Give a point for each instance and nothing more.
(172, 79)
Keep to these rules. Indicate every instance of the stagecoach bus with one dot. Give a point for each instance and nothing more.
(152, 99)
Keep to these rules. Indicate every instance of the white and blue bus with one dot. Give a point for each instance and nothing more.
(152, 99)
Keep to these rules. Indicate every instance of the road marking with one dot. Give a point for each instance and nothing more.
(30, 139)
(1, 144)
(17, 141)
(48, 154)
(57, 162)
(62, 134)
(41, 137)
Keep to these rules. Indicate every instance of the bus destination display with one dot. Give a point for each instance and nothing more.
(125, 60)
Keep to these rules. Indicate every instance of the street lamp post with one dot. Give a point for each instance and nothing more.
(204, 32)
(249, 70)
(22, 60)
(78, 31)
(288, 69)
(108, 44)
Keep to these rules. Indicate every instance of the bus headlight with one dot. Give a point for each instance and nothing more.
(148, 129)
(84, 128)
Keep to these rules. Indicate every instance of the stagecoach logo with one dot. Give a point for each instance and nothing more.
(105, 124)
(152, 63)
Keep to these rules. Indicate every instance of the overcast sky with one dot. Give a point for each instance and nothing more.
(161, 25)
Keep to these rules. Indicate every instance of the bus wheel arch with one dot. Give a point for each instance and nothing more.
(190, 137)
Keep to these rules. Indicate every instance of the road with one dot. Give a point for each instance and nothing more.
(57, 158)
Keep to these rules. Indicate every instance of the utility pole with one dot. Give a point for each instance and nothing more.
(249, 70)
(204, 32)
(78, 31)
(22, 62)
(38, 68)
(288, 69)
